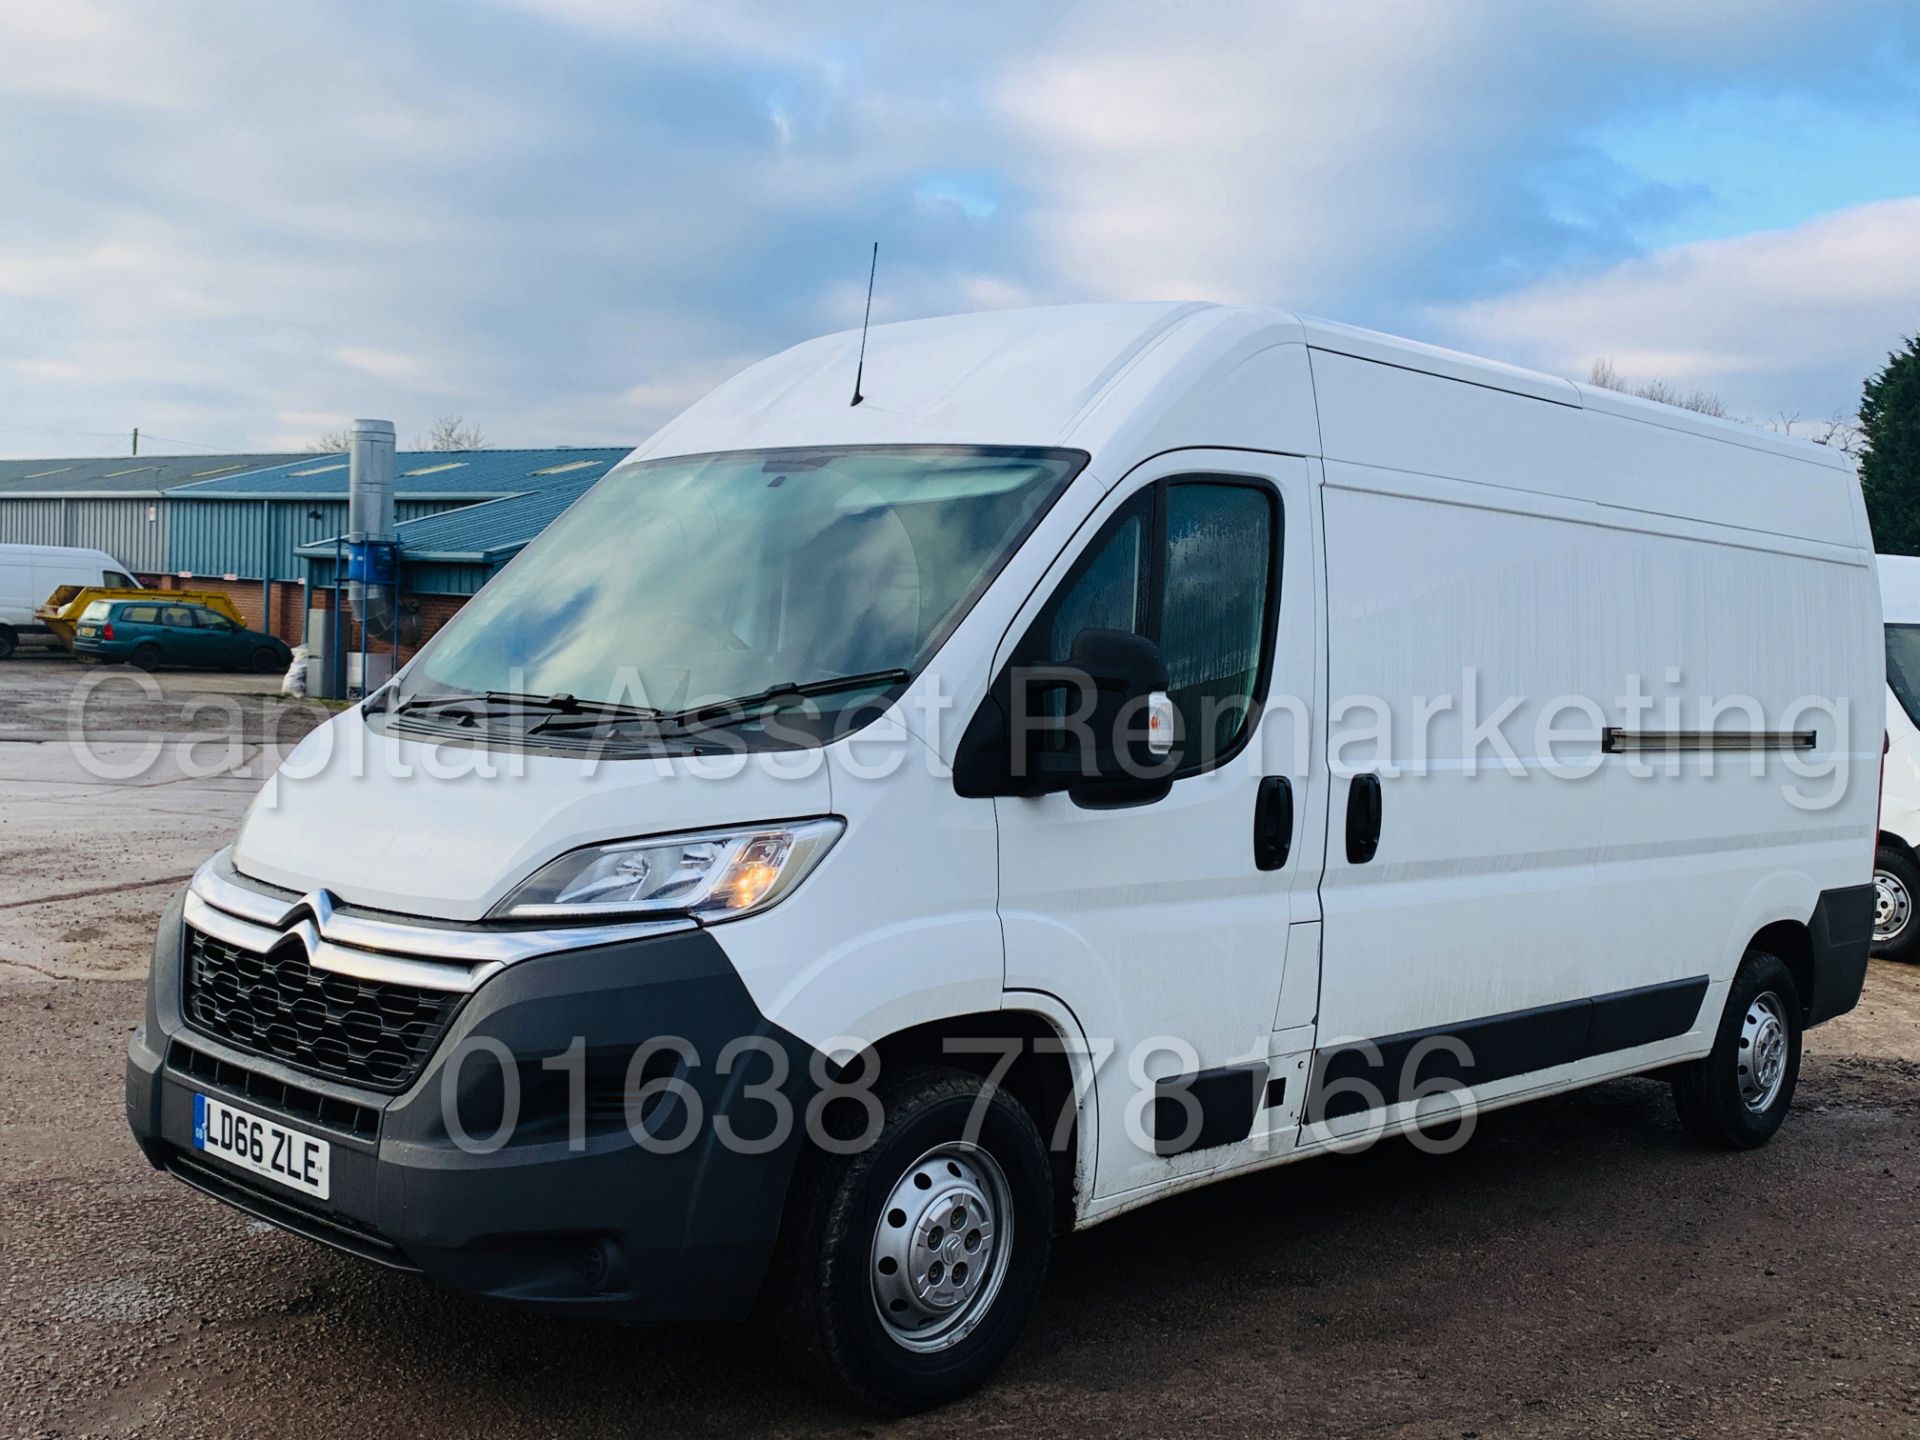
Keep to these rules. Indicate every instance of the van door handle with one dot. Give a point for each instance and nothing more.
(1273, 822)
(1363, 819)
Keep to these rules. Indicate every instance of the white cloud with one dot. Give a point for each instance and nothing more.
(652, 402)
(567, 217)
(1780, 319)
(61, 371)
(1315, 154)
(85, 50)
(382, 364)
(1237, 152)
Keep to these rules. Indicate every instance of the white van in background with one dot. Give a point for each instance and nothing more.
(1113, 749)
(31, 573)
(1896, 870)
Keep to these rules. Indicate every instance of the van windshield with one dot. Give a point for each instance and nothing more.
(684, 582)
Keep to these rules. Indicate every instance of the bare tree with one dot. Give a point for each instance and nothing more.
(1837, 432)
(1602, 375)
(1842, 434)
(451, 432)
(329, 442)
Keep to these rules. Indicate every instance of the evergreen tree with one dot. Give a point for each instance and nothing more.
(1890, 472)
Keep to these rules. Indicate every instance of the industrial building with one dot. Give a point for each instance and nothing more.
(267, 528)
(116, 504)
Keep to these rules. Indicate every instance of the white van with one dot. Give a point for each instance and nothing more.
(1896, 870)
(31, 573)
(1114, 749)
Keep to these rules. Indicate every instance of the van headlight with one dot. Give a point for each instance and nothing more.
(710, 874)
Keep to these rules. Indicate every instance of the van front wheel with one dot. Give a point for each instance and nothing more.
(906, 1270)
(1739, 1094)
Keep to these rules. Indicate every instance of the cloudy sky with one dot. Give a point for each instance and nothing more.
(237, 224)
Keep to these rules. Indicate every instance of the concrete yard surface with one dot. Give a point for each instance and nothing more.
(1579, 1268)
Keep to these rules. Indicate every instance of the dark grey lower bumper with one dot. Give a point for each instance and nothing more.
(588, 1215)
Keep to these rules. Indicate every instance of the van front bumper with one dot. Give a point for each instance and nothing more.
(660, 1221)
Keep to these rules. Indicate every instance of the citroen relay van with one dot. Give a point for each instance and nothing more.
(31, 573)
(1114, 749)
(1896, 868)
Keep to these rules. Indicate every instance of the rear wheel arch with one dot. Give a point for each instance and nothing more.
(1792, 942)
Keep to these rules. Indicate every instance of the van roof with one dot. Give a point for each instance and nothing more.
(21, 550)
(1038, 377)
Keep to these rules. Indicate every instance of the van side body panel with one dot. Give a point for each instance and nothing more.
(1472, 560)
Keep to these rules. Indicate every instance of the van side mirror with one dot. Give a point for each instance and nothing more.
(1099, 725)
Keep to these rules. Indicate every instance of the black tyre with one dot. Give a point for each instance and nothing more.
(266, 660)
(1896, 905)
(145, 657)
(8, 642)
(1739, 1094)
(906, 1271)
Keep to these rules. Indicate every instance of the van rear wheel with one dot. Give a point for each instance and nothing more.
(906, 1270)
(8, 640)
(1896, 905)
(1737, 1096)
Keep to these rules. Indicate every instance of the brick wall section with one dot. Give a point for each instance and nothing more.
(289, 621)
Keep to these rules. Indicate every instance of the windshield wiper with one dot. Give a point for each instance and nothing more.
(732, 712)
(740, 707)
(499, 704)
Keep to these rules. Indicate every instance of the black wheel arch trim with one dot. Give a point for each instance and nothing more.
(1840, 937)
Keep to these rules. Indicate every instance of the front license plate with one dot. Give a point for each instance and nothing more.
(300, 1162)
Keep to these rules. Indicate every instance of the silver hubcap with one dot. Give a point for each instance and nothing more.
(941, 1248)
(1892, 906)
(1763, 1052)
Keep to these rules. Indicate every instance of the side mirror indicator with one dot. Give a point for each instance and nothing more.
(1160, 723)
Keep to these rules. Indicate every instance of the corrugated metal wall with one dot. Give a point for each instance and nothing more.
(132, 529)
(423, 577)
(133, 532)
(30, 522)
(430, 579)
(247, 537)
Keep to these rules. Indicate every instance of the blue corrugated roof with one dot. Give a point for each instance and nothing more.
(416, 474)
(492, 529)
(125, 474)
(489, 531)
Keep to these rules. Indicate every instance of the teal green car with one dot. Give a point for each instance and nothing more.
(152, 633)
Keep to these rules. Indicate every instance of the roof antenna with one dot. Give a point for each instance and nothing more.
(861, 368)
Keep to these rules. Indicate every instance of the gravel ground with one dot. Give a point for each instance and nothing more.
(1579, 1268)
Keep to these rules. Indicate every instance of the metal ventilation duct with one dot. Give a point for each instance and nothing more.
(370, 534)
